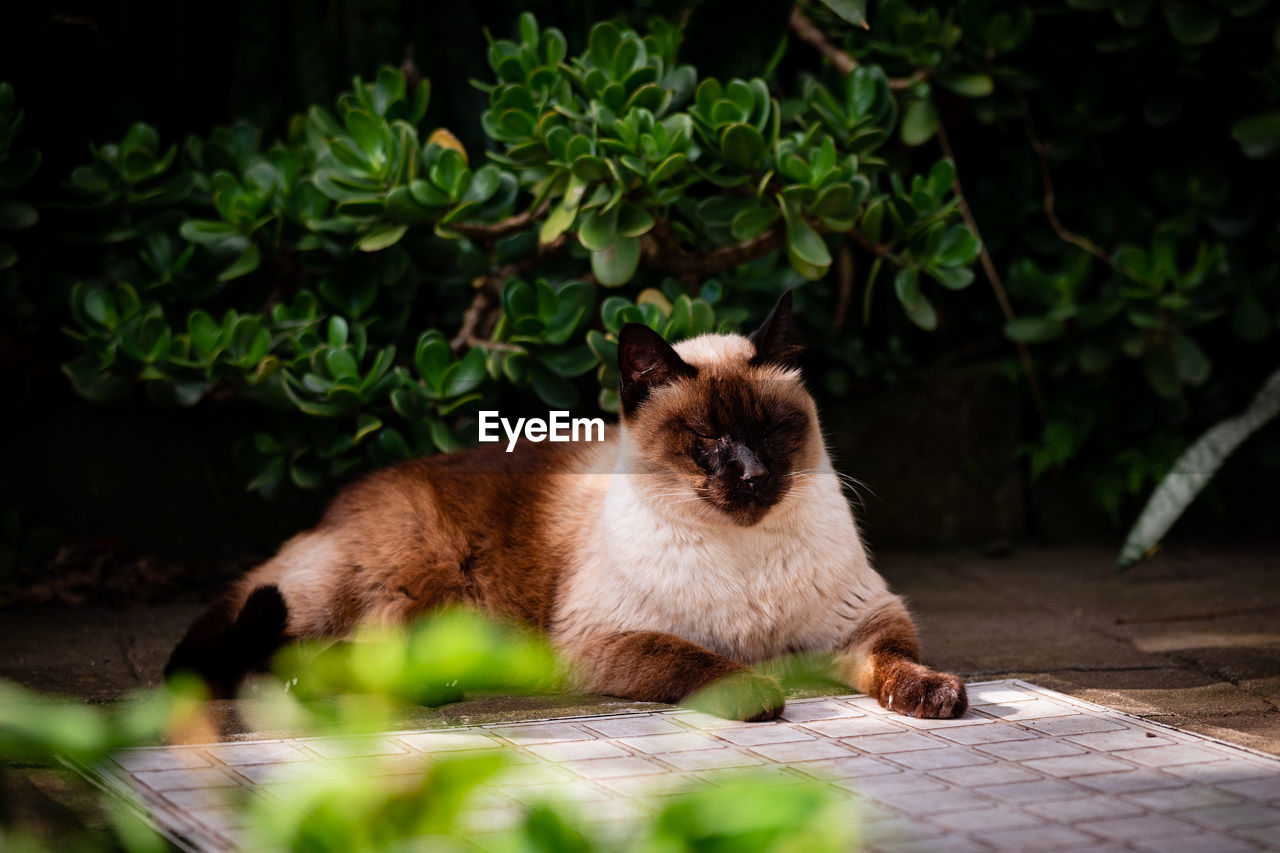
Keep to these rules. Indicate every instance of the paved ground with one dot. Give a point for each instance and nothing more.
(1191, 638)
(1024, 769)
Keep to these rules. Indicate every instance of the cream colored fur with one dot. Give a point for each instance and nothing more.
(648, 559)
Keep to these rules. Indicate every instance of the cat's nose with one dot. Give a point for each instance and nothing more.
(753, 470)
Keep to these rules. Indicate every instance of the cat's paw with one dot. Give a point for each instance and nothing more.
(744, 695)
(918, 691)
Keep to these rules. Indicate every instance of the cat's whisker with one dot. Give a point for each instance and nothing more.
(850, 484)
(858, 487)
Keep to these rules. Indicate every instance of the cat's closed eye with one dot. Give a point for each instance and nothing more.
(788, 422)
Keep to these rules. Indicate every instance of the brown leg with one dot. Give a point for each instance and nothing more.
(883, 658)
(655, 667)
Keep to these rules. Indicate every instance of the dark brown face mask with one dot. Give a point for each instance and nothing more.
(744, 442)
(730, 433)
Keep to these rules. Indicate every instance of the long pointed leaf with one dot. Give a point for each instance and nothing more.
(1193, 470)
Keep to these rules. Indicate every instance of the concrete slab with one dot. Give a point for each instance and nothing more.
(1045, 771)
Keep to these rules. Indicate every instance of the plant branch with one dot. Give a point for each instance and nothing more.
(662, 251)
(844, 273)
(493, 230)
(988, 267)
(897, 84)
(482, 305)
(876, 249)
(807, 31)
(496, 346)
(482, 314)
(1042, 153)
(844, 63)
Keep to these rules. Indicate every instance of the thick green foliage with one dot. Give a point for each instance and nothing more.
(300, 274)
(1118, 157)
(1113, 154)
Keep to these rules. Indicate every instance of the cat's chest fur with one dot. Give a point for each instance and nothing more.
(798, 581)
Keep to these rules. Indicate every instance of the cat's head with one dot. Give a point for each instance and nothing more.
(719, 424)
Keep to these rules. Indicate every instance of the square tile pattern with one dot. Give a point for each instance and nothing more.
(1024, 769)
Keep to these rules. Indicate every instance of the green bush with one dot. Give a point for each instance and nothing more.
(1116, 155)
(366, 284)
(313, 275)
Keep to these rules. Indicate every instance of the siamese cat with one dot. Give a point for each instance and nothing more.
(706, 533)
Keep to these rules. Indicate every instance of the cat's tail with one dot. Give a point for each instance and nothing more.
(232, 639)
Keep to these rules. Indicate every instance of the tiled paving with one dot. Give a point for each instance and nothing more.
(1024, 769)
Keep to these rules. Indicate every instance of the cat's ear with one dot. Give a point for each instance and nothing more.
(775, 341)
(645, 361)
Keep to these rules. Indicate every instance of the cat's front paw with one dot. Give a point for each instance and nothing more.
(918, 691)
(744, 695)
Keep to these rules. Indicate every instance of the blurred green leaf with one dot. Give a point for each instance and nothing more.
(751, 222)
(959, 247)
(742, 145)
(1193, 365)
(805, 244)
(570, 363)
(555, 391)
(16, 215)
(970, 85)
(1259, 135)
(1033, 330)
(1191, 23)
(615, 265)
(207, 232)
(92, 384)
(381, 238)
(852, 11)
(598, 229)
(245, 264)
(952, 278)
(919, 310)
(919, 122)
